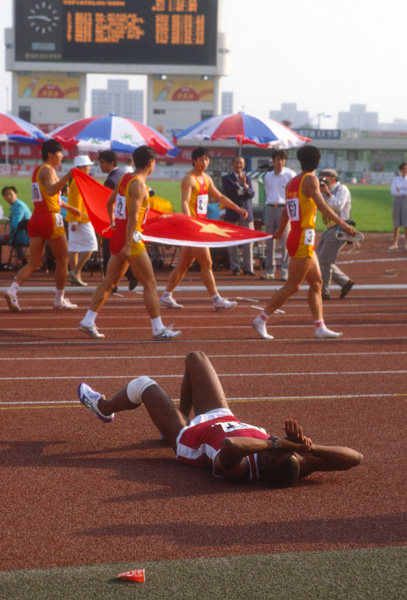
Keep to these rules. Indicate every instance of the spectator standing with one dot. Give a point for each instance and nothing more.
(237, 186)
(19, 211)
(338, 197)
(275, 183)
(82, 240)
(399, 193)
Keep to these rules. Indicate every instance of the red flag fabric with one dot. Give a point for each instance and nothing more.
(171, 228)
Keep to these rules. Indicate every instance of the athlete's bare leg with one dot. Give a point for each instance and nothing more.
(37, 247)
(186, 259)
(203, 256)
(114, 272)
(297, 272)
(315, 287)
(59, 249)
(142, 270)
(200, 388)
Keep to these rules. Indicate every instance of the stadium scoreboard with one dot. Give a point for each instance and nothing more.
(143, 32)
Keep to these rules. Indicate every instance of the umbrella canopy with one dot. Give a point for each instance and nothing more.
(17, 130)
(245, 129)
(111, 133)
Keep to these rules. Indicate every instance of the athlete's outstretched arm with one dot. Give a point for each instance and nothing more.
(329, 458)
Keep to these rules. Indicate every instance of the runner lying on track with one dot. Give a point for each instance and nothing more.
(215, 437)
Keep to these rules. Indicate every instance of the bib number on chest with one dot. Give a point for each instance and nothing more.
(36, 192)
(202, 204)
(293, 209)
(120, 207)
(230, 426)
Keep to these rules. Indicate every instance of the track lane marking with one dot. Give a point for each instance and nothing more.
(30, 405)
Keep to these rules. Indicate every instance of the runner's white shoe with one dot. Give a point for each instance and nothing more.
(65, 305)
(356, 238)
(166, 334)
(260, 327)
(90, 399)
(92, 331)
(223, 304)
(12, 302)
(169, 302)
(323, 333)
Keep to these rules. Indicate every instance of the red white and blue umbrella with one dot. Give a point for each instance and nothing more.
(245, 129)
(111, 133)
(15, 129)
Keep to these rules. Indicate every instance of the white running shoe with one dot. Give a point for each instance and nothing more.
(90, 399)
(260, 327)
(223, 304)
(356, 238)
(166, 334)
(91, 330)
(169, 302)
(65, 305)
(12, 302)
(323, 333)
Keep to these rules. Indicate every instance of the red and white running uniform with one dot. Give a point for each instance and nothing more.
(199, 442)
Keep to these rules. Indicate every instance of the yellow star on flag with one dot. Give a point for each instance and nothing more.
(212, 228)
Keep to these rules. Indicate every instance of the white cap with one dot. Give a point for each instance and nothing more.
(82, 160)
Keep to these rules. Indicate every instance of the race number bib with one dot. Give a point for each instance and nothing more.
(293, 209)
(59, 221)
(309, 237)
(230, 426)
(36, 192)
(202, 204)
(120, 207)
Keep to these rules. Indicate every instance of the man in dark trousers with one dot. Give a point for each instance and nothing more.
(108, 165)
(237, 186)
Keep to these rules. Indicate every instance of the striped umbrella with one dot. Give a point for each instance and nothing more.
(245, 129)
(14, 129)
(111, 133)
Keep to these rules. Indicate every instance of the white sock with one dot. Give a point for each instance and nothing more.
(14, 287)
(216, 297)
(59, 296)
(167, 294)
(89, 319)
(262, 317)
(319, 323)
(157, 325)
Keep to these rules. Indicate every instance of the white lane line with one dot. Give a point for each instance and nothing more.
(211, 356)
(131, 376)
(103, 344)
(231, 399)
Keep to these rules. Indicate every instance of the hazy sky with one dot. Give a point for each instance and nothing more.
(321, 54)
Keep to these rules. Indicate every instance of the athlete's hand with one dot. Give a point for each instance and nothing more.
(348, 229)
(124, 253)
(75, 211)
(243, 212)
(286, 444)
(294, 431)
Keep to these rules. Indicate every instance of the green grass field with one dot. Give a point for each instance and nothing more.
(371, 204)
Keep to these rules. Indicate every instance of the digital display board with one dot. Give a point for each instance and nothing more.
(162, 32)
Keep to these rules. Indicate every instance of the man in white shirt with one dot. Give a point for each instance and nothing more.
(275, 183)
(337, 196)
(399, 193)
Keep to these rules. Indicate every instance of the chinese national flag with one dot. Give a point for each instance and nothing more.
(163, 227)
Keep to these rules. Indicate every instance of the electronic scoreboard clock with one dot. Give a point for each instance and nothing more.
(150, 32)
